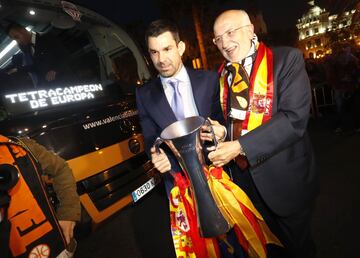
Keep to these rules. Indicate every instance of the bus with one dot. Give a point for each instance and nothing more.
(86, 113)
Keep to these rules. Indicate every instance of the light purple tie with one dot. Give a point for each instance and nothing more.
(176, 104)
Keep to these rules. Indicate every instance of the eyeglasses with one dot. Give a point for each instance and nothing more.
(229, 34)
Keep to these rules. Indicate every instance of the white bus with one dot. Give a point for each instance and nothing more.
(87, 113)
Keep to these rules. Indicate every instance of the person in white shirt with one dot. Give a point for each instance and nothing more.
(160, 103)
(178, 92)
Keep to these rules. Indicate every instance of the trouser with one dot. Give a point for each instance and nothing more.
(293, 231)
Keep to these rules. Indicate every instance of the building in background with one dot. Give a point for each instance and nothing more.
(319, 31)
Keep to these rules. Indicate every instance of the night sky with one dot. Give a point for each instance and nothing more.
(278, 14)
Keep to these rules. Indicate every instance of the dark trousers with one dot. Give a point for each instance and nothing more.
(347, 109)
(293, 231)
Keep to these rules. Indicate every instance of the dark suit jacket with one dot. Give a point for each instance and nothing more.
(279, 151)
(156, 114)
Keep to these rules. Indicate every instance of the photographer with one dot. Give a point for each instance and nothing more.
(23, 162)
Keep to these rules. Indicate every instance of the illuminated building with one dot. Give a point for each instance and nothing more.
(312, 28)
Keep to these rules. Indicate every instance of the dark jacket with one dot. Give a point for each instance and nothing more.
(49, 55)
(156, 114)
(62, 178)
(279, 151)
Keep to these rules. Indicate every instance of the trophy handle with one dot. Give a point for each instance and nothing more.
(157, 144)
(208, 123)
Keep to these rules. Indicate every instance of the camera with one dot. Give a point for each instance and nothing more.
(9, 176)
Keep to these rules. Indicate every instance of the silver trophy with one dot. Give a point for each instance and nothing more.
(183, 138)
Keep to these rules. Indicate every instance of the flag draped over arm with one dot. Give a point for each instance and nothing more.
(250, 230)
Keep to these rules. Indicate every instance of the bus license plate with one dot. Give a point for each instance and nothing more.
(142, 190)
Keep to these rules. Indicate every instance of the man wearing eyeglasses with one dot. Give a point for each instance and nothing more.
(265, 97)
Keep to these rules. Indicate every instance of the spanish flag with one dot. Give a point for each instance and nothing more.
(248, 236)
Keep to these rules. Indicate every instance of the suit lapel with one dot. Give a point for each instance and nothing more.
(196, 86)
(163, 110)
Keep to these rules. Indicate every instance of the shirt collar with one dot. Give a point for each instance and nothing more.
(181, 76)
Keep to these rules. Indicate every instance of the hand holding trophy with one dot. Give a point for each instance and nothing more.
(183, 138)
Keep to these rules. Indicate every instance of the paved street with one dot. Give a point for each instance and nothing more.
(141, 230)
(336, 224)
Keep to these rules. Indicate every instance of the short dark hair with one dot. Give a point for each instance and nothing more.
(160, 26)
(13, 26)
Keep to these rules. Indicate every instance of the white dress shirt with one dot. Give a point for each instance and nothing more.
(185, 90)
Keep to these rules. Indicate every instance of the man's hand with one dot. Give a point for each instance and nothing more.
(50, 76)
(160, 160)
(67, 229)
(224, 153)
(218, 129)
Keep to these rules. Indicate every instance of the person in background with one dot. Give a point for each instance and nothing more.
(62, 179)
(342, 74)
(43, 58)
(266, 102)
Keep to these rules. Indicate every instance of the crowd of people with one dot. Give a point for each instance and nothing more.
(339, 74)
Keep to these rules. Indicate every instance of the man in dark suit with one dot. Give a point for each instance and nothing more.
(43, 58)
(198, 91)
(177, 93)
(266, 102)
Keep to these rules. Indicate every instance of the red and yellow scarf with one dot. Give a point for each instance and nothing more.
(260, 93)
